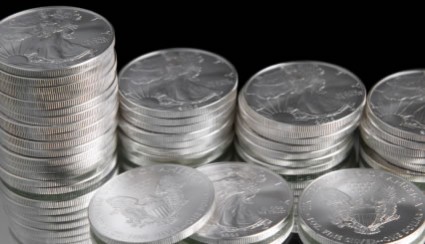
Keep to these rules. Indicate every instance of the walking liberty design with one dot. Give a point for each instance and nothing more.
(44, 37)
(159, 208)
(175, 80)
(235, 192)
(402, 101)
(296, 92)
(366, 214)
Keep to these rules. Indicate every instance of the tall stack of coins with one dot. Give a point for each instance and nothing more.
(361, 206)
(58, 118)
(393, 128)
(298, 119)
(176, 106)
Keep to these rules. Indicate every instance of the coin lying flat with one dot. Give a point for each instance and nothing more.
(175, 104)
(173, 81)
(53, 41)
(156, 204)
(253, 204)
(362, 206)
(304, 97)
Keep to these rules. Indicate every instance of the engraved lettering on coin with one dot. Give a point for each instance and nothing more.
(362, 206)
(177, 79)
(53, 37)
(306, 93)
(160, 208)
(399, 100)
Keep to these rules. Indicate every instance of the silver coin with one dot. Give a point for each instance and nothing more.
(78, 89)
(242, 130)
(396, 104)
(285, 155)
(374, 129)
(324, 166)
(156, 204)
(96, 112)
(218, 119)
(375, 161)
(304, 97)
(209, 154)
(362, 205)
(127, 112)
(197, 147)
(214, 135)
(294, 137)
(377, 143)
(331, 158)
(253, 204)
(94, 74)
(176, 141)
(177, 82)
(41, 41)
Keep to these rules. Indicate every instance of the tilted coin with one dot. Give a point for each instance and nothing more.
(362, 206)
(156, 204)
(253, 204)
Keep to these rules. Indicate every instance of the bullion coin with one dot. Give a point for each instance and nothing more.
(253, 204)
(359, 206)
(156, 204)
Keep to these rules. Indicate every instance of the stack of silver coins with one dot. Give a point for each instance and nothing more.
(393, 127)
(299, 120)
(176, 106)
(224, 202)
(58, 118)
(361, 206)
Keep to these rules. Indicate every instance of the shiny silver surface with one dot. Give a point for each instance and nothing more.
(52, 38)
(177, 80)
(58, 119)
(177, 106)
(362, 205)
(156, 204)
(253, 204)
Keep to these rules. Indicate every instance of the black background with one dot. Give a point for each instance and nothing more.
(372, 42)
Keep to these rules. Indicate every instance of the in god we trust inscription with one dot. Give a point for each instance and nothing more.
(362, 206)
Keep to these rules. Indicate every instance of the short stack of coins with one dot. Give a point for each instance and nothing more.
(393, 127)
(299, 120)
(176, 106)
(58, 119)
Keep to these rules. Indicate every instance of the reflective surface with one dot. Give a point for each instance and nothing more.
(177, 79)
(362, 205)
(304, 93)
(156, 204)
(53, 37)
